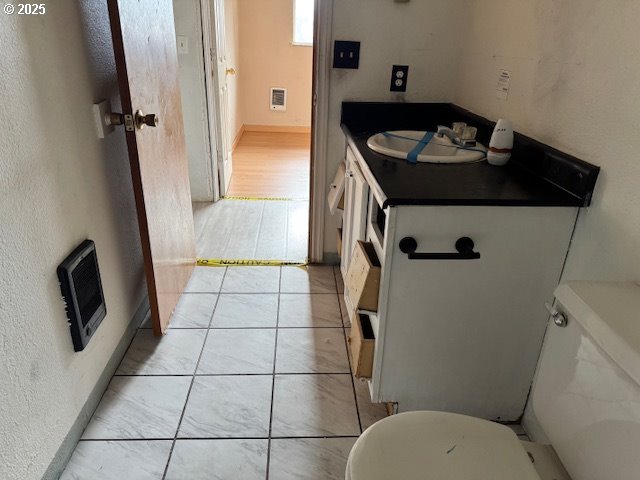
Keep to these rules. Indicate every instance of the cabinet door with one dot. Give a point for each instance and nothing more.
(347, 217)
(360, 204)
(465, 335)
(356, 198)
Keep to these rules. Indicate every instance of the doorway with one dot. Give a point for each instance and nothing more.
(256, 79)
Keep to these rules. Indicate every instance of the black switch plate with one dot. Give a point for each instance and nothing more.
(399, 77)
(346, 54)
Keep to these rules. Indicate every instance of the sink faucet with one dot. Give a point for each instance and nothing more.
(461, 141)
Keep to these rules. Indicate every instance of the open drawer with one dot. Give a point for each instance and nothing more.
(362, 283)
(361, 345)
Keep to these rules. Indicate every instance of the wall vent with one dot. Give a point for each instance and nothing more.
(82, 292)
(279, 99)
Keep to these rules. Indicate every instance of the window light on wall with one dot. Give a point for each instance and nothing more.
(303, 22)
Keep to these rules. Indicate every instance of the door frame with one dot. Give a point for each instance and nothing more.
(213, 115)
(323, 23)
(322, 52)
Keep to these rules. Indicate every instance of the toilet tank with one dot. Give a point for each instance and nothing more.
(586, 395)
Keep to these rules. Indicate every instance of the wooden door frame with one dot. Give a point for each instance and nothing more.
(322, 51)
(208, 52)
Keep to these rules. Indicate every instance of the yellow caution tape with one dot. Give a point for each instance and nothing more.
(281, 199)
(221, 262)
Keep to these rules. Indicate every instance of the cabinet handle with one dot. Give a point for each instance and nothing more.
(464, 246)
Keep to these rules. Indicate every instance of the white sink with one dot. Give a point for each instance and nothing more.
(400, 143)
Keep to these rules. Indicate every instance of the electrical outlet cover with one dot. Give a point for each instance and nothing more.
(399, 77)
(346, 54)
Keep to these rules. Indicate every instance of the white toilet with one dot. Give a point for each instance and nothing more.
(585, 402)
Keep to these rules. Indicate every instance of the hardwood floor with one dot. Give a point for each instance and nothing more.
(270, 164)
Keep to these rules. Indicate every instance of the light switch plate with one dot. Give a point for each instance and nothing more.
(100, 111)
(346, 54)
(183, 44)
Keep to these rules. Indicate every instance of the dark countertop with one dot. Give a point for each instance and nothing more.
(537, 175)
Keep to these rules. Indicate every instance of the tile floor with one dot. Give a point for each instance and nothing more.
(252, 229)
(252, 381)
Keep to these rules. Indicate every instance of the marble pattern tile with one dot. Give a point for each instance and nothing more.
(108, 460)
(309, 458)
(194, 310)
(175, 353)
(206, 280)
(312, 279)
(311, 350)
(346, 320)
(246, 311)
(339, 279)
(272, 239)
(304, 310)
(139, 407)
(228, 406)
(297, 230)
(238, 351)
(314, 405)
(218, 460)
(370, 412)
(271, 229)
(252, 280)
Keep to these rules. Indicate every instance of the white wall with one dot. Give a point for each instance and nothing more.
(59, 184)
(188, 23)
(268, 59)
(575, 69)
(418, 34)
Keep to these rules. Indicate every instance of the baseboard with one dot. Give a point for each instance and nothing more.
(237, 138)
(276, 129)
(62, 456)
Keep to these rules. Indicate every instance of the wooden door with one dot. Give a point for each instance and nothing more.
(220, 72)
(147, 63)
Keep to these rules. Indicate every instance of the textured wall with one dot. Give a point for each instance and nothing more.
(188, 23)
(59, 184)
(267, 59)
(422, 34)
(575, 69)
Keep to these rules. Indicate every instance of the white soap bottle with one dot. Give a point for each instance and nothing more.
(501, 143)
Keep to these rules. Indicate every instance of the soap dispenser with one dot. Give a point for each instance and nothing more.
(501, 143)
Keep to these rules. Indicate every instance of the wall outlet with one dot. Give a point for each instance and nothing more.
(399, 77)
(346, 54)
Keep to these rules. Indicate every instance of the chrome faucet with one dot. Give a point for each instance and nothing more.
(465, 139)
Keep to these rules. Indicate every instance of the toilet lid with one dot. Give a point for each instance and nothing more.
(438, 445)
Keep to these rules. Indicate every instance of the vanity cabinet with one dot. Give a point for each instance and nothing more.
(454, 332)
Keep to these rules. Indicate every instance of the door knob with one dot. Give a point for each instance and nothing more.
(231, 71)
(150, 120)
